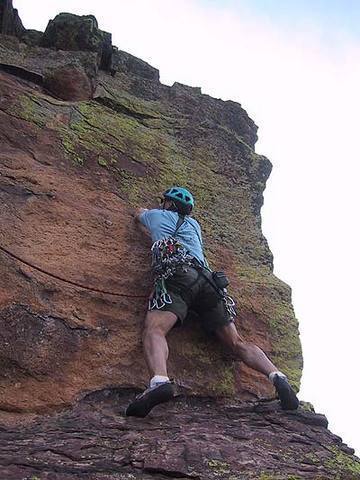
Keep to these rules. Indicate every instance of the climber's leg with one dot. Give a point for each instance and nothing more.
(157, 326)
(249, 353)
(158, 323)
(255, 358)
(161, 389)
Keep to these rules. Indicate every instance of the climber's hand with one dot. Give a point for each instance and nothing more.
(142, 227)
(138, 212)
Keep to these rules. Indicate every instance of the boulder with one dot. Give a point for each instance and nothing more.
(71, 32)
(69, 82)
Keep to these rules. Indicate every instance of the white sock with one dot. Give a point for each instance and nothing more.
(158, 379)
(272, 375)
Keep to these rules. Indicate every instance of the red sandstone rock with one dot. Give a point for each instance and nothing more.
(69, 82)
(69, 220)
(75, 279)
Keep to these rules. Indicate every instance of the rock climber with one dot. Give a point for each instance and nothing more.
(183, 281)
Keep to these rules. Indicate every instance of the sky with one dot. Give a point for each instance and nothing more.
(294, 65)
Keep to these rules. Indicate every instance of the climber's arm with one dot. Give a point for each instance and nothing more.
(138, 213)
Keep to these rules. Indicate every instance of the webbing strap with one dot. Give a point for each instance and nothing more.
(200, 269)
(180, 221)
(229, 302)
(206, 263)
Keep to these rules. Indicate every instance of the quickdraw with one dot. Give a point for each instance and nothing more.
(160, 297)
(229, 304)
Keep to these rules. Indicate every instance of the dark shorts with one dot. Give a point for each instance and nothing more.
(189, 290)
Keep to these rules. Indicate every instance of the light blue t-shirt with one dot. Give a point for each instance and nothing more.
(162, 224)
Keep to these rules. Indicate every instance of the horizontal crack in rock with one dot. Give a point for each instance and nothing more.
(23, 73)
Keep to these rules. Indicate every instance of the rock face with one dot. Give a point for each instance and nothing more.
(194, 438)
(80, 148)
(10, 23)
(70, 181)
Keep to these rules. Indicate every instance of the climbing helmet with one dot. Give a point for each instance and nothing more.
(181, 195)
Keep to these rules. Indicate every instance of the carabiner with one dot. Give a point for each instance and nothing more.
(166, 298)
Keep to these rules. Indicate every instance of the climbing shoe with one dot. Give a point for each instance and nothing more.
(143, 403)
(287, 396)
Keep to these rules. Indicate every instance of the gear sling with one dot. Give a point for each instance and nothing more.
(167, 255)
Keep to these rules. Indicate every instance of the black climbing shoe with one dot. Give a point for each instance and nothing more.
(147, 400)
(287, 396)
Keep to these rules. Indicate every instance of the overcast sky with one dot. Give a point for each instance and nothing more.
(295, 67)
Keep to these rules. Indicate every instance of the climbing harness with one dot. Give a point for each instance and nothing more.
(219, 282)
(167, 255)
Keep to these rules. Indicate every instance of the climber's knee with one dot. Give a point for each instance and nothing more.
(159, 323)
(230, 338)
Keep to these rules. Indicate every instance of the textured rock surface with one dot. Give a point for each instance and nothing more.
(10, 23)
(69, 181)
(75, 276)
(192, 438)
(43, 60)
(69, 82)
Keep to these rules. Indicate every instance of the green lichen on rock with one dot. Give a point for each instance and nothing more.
(69, 148)
(116, 138)
(343, 465)
(102, 162)
(287, 352)
(270, 476)
(307, 407)
(218, 467)
(267, 476)
(225, 386)
(30, 109)
(277, 476)
(123, 102)
(203, 356)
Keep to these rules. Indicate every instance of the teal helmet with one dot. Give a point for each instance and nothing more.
(181, 195)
